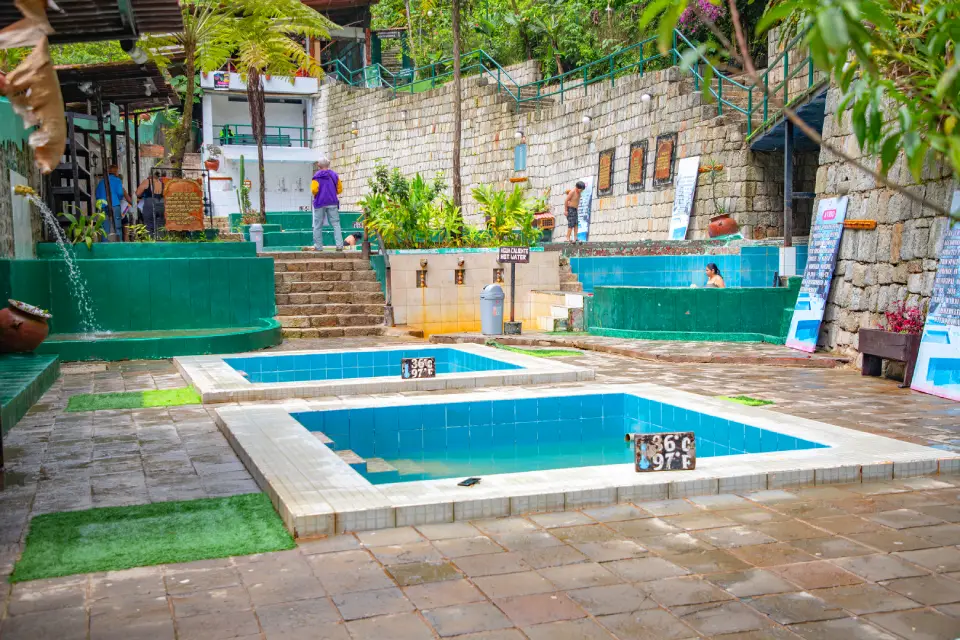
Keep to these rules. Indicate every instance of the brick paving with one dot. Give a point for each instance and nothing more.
(860, 561)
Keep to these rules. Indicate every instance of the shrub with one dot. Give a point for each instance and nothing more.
(901, 318)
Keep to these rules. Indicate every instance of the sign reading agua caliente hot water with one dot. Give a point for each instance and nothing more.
(821, 260)
(938, 363)
(184, 205)
(514, 254)
(664, 451)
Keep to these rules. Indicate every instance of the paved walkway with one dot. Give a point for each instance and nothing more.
(866, 561)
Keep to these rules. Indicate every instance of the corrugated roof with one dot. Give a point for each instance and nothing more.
(90, 20)
(120, 83)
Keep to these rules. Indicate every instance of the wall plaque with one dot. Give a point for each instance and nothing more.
(605, 173)
(664, 451)
(637, 167)
(184, 205)
(663, 160)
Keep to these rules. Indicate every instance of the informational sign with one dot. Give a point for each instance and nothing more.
(371, 77)
(583, 211)
(937, 371)
(638, 166)
(860, 225)
(664, 451)
(221, 80)
(184, 205)
(683, 196)
(605, 173)
(417, 368)
(514, 254)
(663, 160)
(821, 259)
(390, 34)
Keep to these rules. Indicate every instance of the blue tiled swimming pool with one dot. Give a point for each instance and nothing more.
(433, 441)
(340, 365)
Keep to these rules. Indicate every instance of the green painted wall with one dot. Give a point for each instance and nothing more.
(151, 294)
(688, 313)
(24, 378)
(139, 250)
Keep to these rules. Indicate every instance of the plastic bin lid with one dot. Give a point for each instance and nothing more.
(492, 292)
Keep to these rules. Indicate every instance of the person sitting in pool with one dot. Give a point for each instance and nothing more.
(352, 240)
(714, 279)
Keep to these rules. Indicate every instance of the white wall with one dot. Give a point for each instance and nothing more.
(225, 111)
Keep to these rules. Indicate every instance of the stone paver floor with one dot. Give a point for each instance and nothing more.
(866, 561)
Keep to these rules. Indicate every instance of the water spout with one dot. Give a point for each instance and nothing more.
(88, 320)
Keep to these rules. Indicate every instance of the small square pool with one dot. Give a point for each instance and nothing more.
(460, 439)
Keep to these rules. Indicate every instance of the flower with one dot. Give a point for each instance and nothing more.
(690, 22)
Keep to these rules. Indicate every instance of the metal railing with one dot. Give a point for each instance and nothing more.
(728, 93)
(779, 94)
(274, 136)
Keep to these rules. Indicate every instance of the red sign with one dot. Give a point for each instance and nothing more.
(184, 205)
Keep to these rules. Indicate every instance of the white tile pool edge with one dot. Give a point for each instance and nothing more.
(317, 493)
(217, 381)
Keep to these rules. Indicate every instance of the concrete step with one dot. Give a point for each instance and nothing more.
(311, 254)
(352, 459)
(332, 297)
(382, 470)
(326, 276)
(280, 266)
(550, 323)
(329, 309)
(571, 287)
(323, 321)
(322, 437)
(286, 285)
(332, 332)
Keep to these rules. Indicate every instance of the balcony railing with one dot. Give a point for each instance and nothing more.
(237, 134)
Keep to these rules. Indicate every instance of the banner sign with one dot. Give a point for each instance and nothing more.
(822, 258)
(514, 254)
(686, 189)
(664, 451)
(416, 368)
(583, 211)
(937, 371)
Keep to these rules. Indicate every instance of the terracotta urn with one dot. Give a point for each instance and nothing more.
(212, 164)
(22, 327)
(722, 225)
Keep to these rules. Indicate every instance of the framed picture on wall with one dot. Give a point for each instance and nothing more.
(605, 173)
(637, 171)
(663, 161)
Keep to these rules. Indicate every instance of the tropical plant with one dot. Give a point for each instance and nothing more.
(204, 42)
(262, 35)
(551, 26)
(85, 227)
(140, 233)
(508, 216)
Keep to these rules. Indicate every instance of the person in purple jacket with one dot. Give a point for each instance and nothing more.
(326, 186)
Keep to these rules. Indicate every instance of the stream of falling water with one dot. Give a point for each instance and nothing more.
(88, 318)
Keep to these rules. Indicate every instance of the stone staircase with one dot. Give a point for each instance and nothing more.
(568, 279)
(529, 97)
(327, 295)
(558, 311)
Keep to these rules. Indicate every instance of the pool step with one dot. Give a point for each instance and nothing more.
(322, 437)
(352, 459)
(382, 470)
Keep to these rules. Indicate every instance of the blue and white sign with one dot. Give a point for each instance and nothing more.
(684, 191)
(583, 211)
(822, 258)
(937, 371)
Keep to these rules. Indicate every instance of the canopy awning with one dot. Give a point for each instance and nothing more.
(120, 83)
(91, 20)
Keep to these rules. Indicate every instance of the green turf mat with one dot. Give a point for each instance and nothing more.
(133, 399)
(113, 538)
(539, 353)
(747, 400)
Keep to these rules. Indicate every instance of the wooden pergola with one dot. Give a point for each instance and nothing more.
(93, 20)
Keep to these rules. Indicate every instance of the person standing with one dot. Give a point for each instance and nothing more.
(117, 195)
(150, 193)
(572, 205)
(326, 186)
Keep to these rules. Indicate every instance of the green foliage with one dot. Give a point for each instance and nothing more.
(140, 233)
(69, 54)
(85, 227)
(508, 216)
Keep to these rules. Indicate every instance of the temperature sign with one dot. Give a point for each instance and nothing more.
(414, 368)
(664, 451)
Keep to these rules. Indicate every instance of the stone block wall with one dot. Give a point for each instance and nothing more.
(355, 127)
(898, 260)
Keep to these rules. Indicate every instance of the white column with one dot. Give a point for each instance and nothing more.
(207, 119)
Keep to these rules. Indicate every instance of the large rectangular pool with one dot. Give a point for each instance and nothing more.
(460, 439)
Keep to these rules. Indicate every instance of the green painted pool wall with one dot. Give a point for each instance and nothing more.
(24, 378)
(755, 314)
(139, 250)
(149, 294)
(266, 334)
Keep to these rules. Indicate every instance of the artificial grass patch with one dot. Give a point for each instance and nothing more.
(112, 538)
(747, 400)
(539, 353)
(133, 399)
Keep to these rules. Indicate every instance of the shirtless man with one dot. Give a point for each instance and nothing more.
(572, 203)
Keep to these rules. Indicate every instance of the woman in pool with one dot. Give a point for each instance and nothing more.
(714, 279)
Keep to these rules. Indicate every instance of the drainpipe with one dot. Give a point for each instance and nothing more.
(787, 183)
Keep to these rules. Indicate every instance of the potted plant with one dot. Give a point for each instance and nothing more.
(22, 327)
(212, 163)
(721, 224)
(899, 340)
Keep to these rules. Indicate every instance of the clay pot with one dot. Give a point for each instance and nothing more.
(722, 225)
(22, 327)
(212, 164)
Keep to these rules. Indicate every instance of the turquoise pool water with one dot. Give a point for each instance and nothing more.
(449, 440)
(340, 365)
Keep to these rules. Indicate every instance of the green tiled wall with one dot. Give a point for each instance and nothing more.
(138, 250)
(24, 378)
(683, 313)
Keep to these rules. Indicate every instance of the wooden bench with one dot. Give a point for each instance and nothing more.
(875, 345)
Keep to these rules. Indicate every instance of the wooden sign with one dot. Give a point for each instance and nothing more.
(664, 451)
(416, 368)
(863, 225)
(514, 254)
(663, 161)
(184, 205)
(637, 167)
(605, 173)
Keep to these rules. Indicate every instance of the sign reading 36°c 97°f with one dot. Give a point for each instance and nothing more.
(664, 451)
